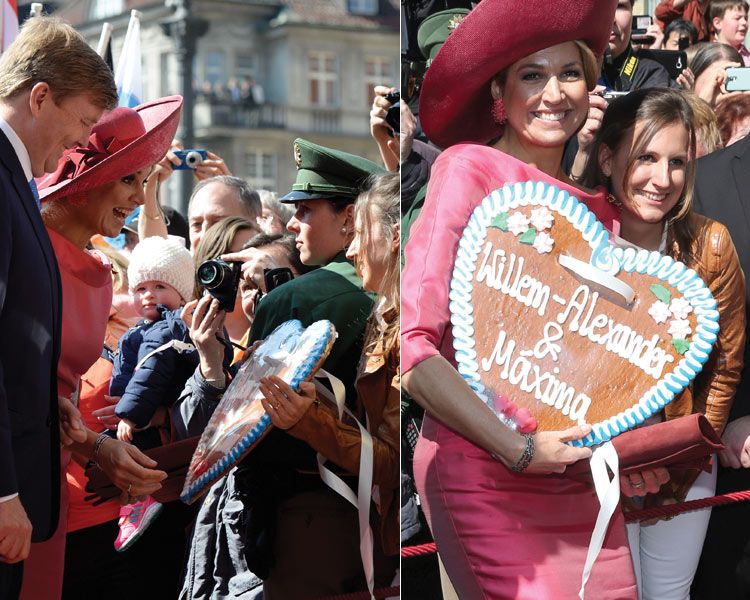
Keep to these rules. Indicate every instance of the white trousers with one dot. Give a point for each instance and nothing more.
(665, 555)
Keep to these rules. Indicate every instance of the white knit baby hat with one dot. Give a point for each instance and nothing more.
(159, 259)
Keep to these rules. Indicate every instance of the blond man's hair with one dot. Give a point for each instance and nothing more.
(51, 51)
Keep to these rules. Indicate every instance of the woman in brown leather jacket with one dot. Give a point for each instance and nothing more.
(375, 254)
(644, 154)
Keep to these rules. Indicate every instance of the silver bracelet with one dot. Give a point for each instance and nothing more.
(528, 454)
(103, 437)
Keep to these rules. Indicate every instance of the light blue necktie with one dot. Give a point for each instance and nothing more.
(35, 191)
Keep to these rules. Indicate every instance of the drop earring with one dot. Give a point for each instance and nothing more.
(498, 112)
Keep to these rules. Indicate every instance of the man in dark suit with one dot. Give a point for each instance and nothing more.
(52, 92)
(722, 192)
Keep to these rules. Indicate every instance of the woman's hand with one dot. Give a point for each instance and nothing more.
(283, 405)
(553, 455)
(206, 321)
(686, 80)
(644, 482)
(106, 414)
(713, 89)
(129, 469)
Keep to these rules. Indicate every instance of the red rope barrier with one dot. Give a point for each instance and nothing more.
(668, 510)
(381, 593)
(423, 549)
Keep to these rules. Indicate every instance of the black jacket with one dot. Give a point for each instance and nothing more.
(30, 332)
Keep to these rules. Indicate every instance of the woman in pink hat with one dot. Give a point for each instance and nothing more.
(92, 191)
(506, 91)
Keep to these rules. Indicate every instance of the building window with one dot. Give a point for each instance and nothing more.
(215, 68)
(101, 9)
(323, 73)
(378, 71)
(363, 7)
(245, 65)
(261, 170)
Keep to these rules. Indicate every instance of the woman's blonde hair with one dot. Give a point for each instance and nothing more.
(379, 206)
(119, 264)
(706, 124)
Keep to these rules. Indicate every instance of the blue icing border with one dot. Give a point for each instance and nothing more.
(302, 373)
(608, 258)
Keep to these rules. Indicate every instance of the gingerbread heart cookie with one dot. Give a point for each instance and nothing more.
(548, 312)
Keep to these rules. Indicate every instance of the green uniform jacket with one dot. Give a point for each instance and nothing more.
(333, 292)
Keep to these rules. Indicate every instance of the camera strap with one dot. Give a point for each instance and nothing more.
(179, 346)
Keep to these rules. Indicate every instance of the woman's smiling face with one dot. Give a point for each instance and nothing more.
(545, 95)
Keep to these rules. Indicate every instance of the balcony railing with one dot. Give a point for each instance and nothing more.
(212, 113)
(230, 114)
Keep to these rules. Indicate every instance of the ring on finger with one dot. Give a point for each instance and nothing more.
(637, 484)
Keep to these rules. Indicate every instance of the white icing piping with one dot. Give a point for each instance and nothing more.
(605, 258)
(591, 273)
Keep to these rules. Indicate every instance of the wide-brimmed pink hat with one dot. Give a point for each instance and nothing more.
(455, 102)
(124, 141)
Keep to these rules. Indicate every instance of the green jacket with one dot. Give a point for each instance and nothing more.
(333, 292)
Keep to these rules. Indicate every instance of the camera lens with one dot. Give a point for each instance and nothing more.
(210, 275)
(193, 159)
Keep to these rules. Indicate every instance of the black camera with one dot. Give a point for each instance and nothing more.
(393, 117)
(221, 279)
(273, 278)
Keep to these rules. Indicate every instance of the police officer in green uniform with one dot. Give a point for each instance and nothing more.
(314, 532)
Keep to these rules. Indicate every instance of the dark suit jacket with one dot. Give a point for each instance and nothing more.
(722, 193)
(30, 331)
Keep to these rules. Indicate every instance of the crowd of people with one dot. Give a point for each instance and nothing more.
(113, 360)
(649, 130)
(108, 354)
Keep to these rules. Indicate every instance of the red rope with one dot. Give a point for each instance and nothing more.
(381, 593)
(668, 510)
(409, 551)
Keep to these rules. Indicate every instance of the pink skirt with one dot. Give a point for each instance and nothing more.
(507, 536)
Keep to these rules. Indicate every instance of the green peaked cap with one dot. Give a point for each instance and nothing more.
(325, 173)
(436, 28)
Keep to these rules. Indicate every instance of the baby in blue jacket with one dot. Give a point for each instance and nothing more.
(154, 359)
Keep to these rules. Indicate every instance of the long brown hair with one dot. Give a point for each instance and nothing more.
(217, 241)
(655, 109)
(379, 206)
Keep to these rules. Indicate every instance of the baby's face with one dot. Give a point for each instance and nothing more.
(150, 293)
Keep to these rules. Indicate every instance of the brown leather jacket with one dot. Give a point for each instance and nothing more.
(378, 401)
(712, 391)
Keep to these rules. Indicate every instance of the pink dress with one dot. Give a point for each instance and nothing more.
(87, 297)
(500, 535)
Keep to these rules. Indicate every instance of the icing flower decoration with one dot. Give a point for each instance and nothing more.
(524, 420)
(680, 308)
(660, 312)
(679, 328)
(541, 218)
(518, 223)
(543, 242)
